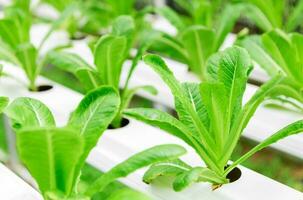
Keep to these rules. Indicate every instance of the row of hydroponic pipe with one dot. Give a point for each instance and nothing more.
(195, 57)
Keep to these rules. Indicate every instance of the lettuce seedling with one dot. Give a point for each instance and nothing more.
(15, 46)
(93, 16)
(101, 14)
(196, 41)
(277, 51)
(194, 12)
(111, 51)
(72, 15)
(211, 117)
(54, 156)
(271, 14)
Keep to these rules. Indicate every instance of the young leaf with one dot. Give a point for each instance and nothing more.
(295, 18)
(186, 5)
(5, 26)
(128, 94)
(199, 44)
(126, 97)
(184, 107)
(92, 116)
(292, 129)
(63, 18)
(7, 54)
(173, 126)
(215, 101)
(109, 57)
(171, 16)
(89, 78)
(124, 26)
(224, 26)
(74, 64)
(18, 20)
(278, 46)
(253, 45)
(208, 25)
(241, 121)
(50, 155)
(145, 43)
(288, 89)
(256, 15)
(170, 46)
(160, 119)
(277, 51)
(193, 92)
(187, 110)
(197, 174)
(168, 168)
(274, 14)
(27, 55)
(94, 113)
(135, 162)
(26, 113)
(231, 68)
(69, 62)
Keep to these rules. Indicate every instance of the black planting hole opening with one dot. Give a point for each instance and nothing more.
(124, 123)
(234, 174)
(78, 37)
(42, 88)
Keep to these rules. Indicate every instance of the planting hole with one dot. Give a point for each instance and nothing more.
(42, 88)
(124, 123)
(78, 37)
(234, 175)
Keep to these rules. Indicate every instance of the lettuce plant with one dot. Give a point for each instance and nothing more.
(211, 117)
(71, 14)
(271, 14)
(203, 12)
(55, 155)
(110, 53)
(100, 14)
(277, 51)
(93, 16)
(196, 42)
(68, 20)
(15, 46)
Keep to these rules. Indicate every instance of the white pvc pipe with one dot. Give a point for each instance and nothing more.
(14, 188)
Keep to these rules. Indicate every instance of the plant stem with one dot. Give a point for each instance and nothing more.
(117, 121)
(33, 87)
